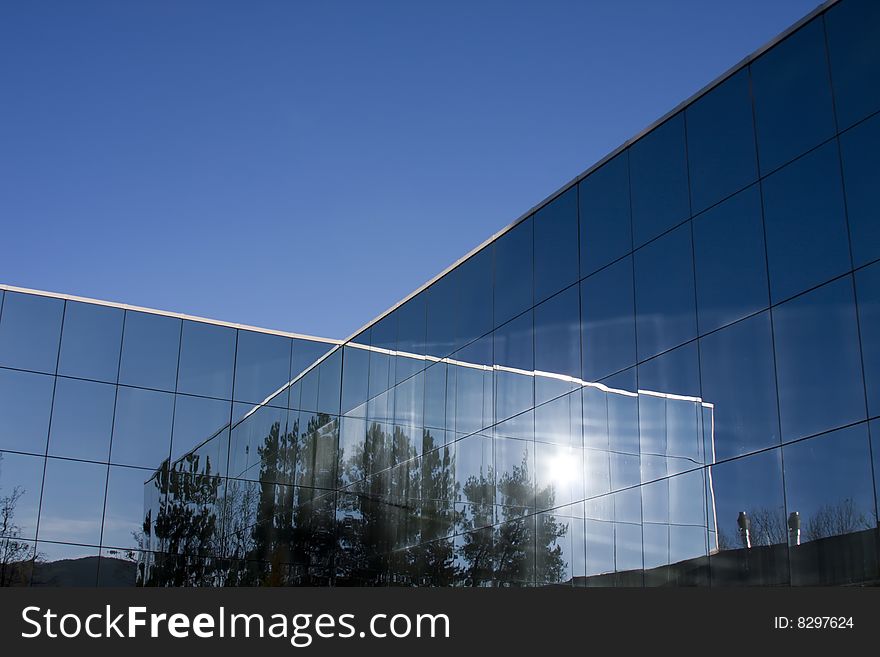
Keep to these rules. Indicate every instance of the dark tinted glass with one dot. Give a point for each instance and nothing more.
(853, 29)
(25, 408)
(141, 427)
(739, 381)
(30, 331)
(21, 480)
(608, 317)
(124, 507)
(747, 532)
(730, 261)
(150, 349)
(828, 485)
(91, 341)
(442, 302)
(676, 372)
(818, 361)
(868, 294)
(806, 226)
(793, 107)
(262, 366)
(721, 142)
(514, 348)
(664, 277)
(73, 500)
(861, 177)
(195, 420)
(355, 373)
(557, 334)
(659, 180)
(306, 352)
(513, 272)
(605, 226)
(556, 245)
(207, 356)
(475, 297)
(411, 325)
(82, 419)
(329, 383)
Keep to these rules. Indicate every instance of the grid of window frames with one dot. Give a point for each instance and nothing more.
(93, 399)
(669, 374)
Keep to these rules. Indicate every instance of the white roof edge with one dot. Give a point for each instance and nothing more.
(629, 142)
(166, 313)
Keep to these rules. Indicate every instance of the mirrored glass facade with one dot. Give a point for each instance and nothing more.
(666, 375)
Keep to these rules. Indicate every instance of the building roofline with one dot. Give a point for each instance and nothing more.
(166, 313)
(745, 61)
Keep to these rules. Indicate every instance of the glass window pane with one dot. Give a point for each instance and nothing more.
(475, 297)
(442, 299)
(30, 330)
(806, 226)
(832, 522)
(818, 361)
(721, 142)
(557, 343)
(21, 481)
(25, 407)
(262, 366)
(608, 318)
(142, 427)
(51, 568)
(868, 294)
(330, 383)
(124, 508)
(306, 352)
(73, 501)
(514, 264)
(793, 107)
(605, 225)
(853, 30)
(556, 245)
(664, 277)
(659, 180)
(207, 356)
(514, 348)
(747, 523)
(730, 261)
(150, 349)
(411, 325)
(82, 419)
(739, 381)
(195, 420)
(355, 373)
(676, 372)
(861, 177)
(91, 341)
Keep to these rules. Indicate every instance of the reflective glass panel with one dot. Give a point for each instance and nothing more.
(207, 357)
(853, 31)
(91, 341)
(557, 343)
(65, 565)
(818, 362)
(25, 408)
(664, 277)
(150, 350)
(124, 508)
(82, 419)
(329, 383)
(659, 180)
(442, 314)
(806, 225)
(793, 107)
(721, 142)
(21, 481)
(730, 261)
(141, 427)
(355, 375)
(514, 349)
(861, 177)
(739, 381)
(30, 330)
(556, 245)
(868, 293)
(605, 225)
(306, 352)
(514, 263)
(73, 500)
(832, 521)
(608, 319)
(475, 297)
(195, 420)
(262, 366)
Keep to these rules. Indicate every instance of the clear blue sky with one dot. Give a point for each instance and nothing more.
(304, 165)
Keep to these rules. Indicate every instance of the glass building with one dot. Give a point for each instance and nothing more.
(668, 373)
